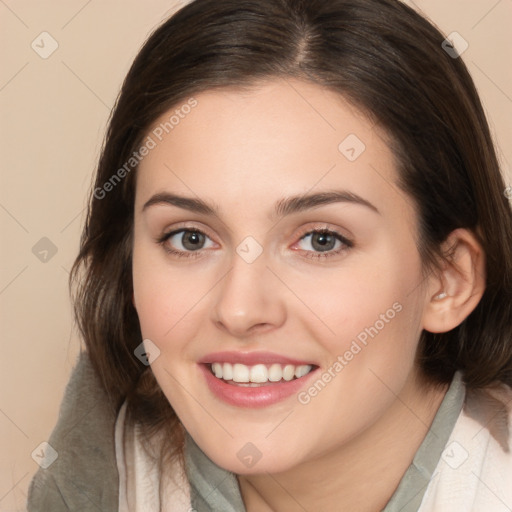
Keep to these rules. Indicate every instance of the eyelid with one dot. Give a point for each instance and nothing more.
(183, 227)
(324, 227)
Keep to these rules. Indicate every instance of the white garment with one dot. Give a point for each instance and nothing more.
(474, 473)
(141, 486)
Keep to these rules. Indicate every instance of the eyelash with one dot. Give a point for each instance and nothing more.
(346, 244)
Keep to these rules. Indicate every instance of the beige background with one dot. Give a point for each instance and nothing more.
(53, 115)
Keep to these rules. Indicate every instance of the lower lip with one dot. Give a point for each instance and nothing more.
(253, 397)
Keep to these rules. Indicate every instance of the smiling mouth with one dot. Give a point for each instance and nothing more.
(259, 374)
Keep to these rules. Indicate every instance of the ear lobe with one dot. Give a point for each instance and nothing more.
(456, 292)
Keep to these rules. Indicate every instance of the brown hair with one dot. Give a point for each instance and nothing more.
(386, 60)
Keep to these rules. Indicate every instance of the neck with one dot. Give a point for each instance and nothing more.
(362, 474)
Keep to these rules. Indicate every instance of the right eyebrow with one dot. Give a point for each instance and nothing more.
(187, 203)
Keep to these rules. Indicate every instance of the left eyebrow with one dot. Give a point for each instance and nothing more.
(283, 207)
(296, 204)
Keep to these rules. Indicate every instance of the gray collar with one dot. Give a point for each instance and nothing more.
(212, 489)
(412, 486)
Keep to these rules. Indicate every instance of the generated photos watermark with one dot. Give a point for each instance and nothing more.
(150, 142)
(356, 346)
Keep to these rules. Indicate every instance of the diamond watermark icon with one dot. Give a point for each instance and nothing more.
(44, 250)
(455, 45)
(249, 249)
(351, 147)
(44, 45)
(44, 455)
(455, 455)
(249, 455)
(147, 352)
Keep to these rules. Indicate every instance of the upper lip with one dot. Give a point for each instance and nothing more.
(250, 358)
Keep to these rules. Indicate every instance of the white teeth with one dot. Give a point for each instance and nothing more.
(259, 373)
(275, 373)
(300, 371)
(217, 370)
(227, 371)
(240, 373)
(289, 372)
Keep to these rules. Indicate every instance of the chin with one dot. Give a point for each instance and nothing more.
(246, 458)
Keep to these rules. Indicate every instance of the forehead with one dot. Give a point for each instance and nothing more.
(282, 137)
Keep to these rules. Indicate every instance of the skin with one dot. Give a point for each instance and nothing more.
(243, 152)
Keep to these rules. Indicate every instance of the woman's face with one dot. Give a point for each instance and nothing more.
(290, 247)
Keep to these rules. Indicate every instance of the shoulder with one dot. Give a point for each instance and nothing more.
(475, 469)
(84, 471)
(491, 409)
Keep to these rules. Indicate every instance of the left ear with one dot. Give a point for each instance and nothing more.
(455, 292)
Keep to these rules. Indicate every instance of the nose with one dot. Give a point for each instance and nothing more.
(249, 299)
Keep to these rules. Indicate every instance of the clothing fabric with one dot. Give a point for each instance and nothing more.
(475, 471)
(142, 486)
(99, 460)
(212, 488)
(84, 476)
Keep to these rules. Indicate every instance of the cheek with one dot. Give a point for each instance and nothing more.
(167, 308)
(162, 295)
(371, 322)
(358, 300)
(172, 302)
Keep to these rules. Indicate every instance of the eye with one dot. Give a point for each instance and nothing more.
(183, 241)
(323, 243)
(319, 243)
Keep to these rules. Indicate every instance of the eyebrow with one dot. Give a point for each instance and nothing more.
(283, 207)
